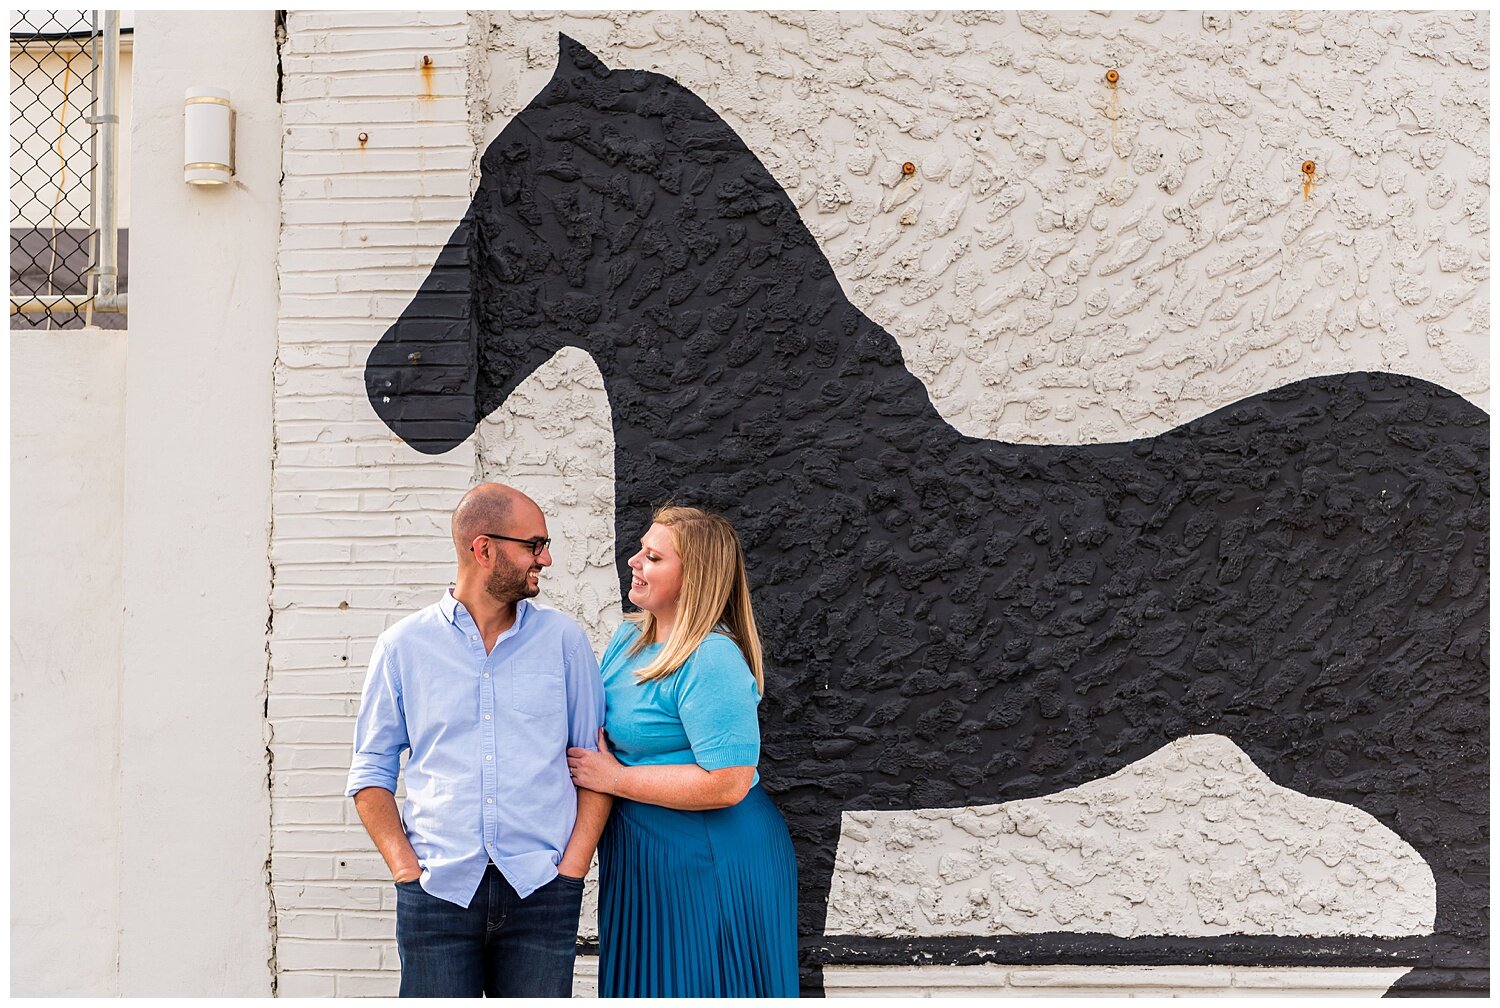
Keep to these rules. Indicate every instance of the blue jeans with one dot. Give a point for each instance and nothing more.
(499, 946)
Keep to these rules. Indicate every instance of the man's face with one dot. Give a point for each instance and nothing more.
(517, 572)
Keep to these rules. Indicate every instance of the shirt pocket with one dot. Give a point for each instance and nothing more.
(536, 688)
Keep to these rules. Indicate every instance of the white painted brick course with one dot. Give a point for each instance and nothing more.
(309, 925)
(354, 162)
(313, 674)
(318, 732)
(383, 985)
(304, 757)
(421, 233)
(311, 783)
(1311, 978)
(294, 953)
(380, 21)
(309, 812)
(305, 985)
(310, 896)
(347, 65)
(437, 82)
(393, 477)
(368, 928)
(321, 210)
(301, 866)
(367, 867)
(419, 181)
(1123, 976)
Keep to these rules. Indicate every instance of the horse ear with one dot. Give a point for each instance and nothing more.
(572, 53)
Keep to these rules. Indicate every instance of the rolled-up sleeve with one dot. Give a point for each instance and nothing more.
(585, 694)
(380, 729)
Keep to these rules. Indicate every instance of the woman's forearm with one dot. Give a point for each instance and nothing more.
(684, 786)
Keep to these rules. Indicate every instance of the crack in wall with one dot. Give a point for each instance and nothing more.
(267, 729)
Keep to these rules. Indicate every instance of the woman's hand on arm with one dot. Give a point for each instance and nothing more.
(685, 786)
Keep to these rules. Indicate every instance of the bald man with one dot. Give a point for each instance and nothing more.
(487, 689)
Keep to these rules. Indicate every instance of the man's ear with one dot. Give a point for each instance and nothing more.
(483, 547)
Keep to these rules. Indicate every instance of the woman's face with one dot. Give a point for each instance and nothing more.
(656, 573)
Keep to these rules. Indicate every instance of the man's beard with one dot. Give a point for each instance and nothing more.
(509, 584)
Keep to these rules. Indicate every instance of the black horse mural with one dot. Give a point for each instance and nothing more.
(952, 621)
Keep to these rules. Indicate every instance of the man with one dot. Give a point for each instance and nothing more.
(488, 690)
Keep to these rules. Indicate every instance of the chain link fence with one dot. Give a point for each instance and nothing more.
(60, 100)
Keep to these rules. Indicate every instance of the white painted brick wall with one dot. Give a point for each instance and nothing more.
(359, 537)
(360, 520)
(1079, 981)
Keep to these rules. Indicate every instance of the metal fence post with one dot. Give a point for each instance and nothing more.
(106, 295)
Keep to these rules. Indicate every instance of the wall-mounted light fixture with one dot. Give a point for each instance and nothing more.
(207, 137)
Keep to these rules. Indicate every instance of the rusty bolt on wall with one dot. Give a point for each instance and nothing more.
(908, 169)
(1309, 176)
(1111, 77)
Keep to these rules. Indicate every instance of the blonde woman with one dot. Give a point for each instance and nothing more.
(698, 882)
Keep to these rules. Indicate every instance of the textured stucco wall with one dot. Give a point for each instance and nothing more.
(1193, 840)
(1074, 263)
(1050, 280)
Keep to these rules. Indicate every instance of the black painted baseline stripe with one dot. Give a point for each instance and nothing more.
(1452, 968)
(1078, 949)
(1448, 967)
(1063, 948)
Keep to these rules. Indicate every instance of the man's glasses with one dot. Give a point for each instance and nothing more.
(537, 545)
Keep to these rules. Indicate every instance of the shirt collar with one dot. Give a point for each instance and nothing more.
(450, 606)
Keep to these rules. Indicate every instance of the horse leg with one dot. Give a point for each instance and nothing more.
(816, 839)
(1420, 768)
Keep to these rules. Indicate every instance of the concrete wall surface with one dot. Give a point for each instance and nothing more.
(194, 812)
(67, 484)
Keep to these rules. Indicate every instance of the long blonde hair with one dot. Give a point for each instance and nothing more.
(715, 594)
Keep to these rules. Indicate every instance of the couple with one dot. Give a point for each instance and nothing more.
(511, 781)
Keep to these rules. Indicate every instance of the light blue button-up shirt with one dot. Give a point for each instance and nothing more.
(488, 775)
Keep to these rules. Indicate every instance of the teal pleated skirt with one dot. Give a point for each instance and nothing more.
(697, 904)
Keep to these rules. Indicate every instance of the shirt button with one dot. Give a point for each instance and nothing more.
(486, 675)
(486, 717)
(489, 801)
(473, 636)
(489, 757)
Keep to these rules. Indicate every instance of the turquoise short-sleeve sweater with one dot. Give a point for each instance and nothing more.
(704, 713)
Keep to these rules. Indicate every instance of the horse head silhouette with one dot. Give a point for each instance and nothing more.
(951, 621)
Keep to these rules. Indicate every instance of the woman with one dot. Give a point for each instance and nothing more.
(698, 882)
